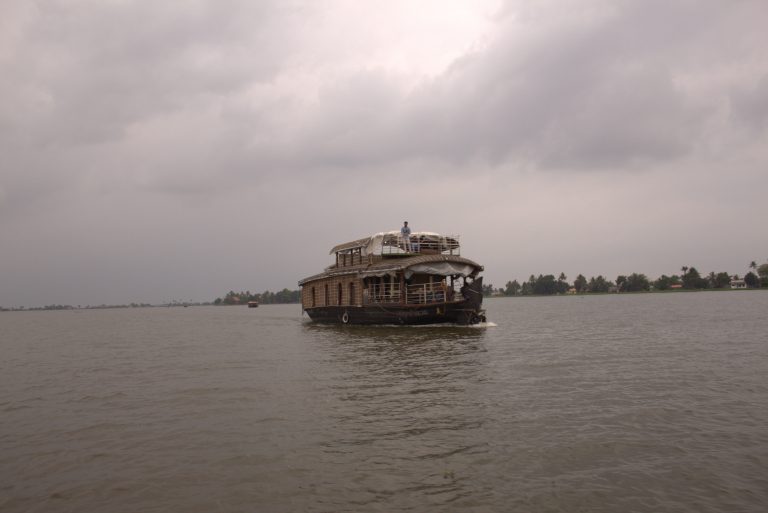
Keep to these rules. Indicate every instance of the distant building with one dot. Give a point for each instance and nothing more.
(738, 284)
(676, 286)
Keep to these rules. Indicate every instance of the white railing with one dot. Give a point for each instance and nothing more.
(443, 245)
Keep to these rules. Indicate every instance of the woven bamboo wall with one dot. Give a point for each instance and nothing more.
(333, 292)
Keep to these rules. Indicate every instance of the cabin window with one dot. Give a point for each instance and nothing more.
(313, 296)
(327, 296)
(351, 293)
(339, 291)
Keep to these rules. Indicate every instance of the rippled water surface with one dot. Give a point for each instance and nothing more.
(639, 403)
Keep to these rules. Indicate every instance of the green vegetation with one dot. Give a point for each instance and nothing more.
(690, 279)
(762, 272)
(79, 307)
(265, 298)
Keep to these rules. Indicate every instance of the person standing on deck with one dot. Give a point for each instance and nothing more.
(405, 232)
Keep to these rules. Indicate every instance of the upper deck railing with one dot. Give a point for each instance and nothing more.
(421, 245)
(393, 244)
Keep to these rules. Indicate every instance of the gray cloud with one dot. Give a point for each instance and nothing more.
(96, 81)
(610, 92)
(599, 92)
(750, 105)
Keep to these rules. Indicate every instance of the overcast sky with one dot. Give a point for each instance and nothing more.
(152, 151)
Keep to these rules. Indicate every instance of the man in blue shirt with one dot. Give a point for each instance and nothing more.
(405, 233)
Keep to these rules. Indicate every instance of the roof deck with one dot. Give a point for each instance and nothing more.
(394, 244)
(391, 245)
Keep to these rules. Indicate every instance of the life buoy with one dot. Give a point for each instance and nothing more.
(345, 318)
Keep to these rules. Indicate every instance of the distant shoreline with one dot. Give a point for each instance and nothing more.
(633, 293)
(53, 308)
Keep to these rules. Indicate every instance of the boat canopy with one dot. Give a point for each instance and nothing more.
(439, 265)
(434, 268)
(390, 242)
(441, 269)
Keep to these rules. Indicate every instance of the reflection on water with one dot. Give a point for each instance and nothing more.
(405, 411)
(390, 333)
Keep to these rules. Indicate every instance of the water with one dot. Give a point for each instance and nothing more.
(638, 403)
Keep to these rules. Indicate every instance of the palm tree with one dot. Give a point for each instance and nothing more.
(753, 265)
(684, 269)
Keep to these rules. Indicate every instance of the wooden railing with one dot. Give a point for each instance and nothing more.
(382, 293)
(424, 293)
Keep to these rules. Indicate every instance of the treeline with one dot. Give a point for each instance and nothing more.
(690, 279)
(78, 307)
(265, 298)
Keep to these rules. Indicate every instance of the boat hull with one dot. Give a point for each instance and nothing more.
(456, 313)
(464, 312)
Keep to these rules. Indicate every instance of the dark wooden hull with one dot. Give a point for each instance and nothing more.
(463, 312)
(456, 313)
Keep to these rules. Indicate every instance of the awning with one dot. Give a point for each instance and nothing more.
(441, 269)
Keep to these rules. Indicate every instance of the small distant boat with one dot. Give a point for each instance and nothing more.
(384, 279)
(253, 304)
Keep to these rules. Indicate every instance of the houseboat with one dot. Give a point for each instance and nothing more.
(386, 279)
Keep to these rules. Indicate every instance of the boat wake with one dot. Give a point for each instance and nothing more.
(487, 324)
(447, 325)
